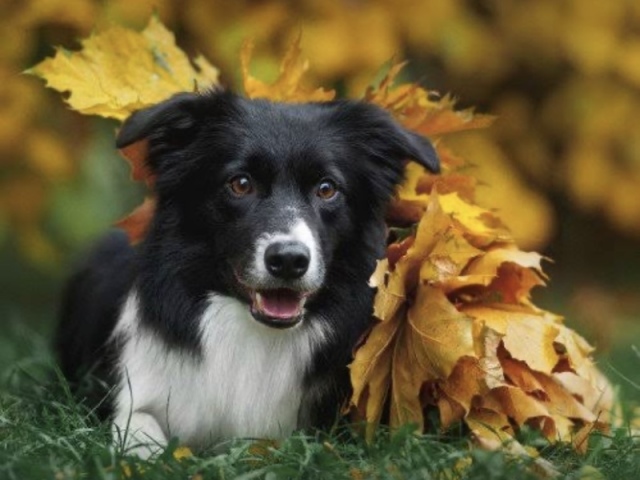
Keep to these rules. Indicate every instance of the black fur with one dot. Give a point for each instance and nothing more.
(200, 235)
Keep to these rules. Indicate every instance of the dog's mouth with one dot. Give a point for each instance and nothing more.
(279, 308)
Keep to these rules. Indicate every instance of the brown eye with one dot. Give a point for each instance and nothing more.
(327, 190)
(241, 185)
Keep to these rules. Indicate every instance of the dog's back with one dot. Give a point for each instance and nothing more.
(90, 307)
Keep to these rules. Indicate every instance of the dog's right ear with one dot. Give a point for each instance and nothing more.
(170, 122)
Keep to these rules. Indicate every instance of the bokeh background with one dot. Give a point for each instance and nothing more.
(561, 163)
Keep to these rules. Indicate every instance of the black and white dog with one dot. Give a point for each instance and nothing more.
(238, 313)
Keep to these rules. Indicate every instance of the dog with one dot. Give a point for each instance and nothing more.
(238, 313)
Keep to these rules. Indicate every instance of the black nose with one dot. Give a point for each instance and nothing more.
(287, 260)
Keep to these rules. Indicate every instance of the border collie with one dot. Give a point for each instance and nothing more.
(238, 313)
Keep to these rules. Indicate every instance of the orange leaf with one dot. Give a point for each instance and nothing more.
(445, 119)
(522, 377)
(136, 154)
(467, 380)
(137, 222)
(514, 283)
(520, 407)
(413, 106)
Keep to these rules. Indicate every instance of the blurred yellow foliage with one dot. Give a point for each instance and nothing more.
(563, 76)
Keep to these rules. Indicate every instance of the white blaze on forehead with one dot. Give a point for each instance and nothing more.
(298, 232)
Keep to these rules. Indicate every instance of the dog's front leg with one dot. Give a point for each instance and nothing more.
(139, 433)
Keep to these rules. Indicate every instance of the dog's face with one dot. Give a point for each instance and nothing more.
(256, 198)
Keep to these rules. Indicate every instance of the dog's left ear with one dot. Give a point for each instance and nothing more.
(403, 144)
(169, 127)
(418, 148)
(374, 131)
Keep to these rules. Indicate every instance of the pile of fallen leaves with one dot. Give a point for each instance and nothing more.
(456, 329)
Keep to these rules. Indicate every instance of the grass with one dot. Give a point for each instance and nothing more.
(46, 433)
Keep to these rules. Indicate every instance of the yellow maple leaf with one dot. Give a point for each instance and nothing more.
(119, 71)
(288, 87)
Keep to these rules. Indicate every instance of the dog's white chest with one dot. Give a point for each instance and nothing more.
(246, 383)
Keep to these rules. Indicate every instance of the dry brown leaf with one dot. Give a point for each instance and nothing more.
(561, 403)
(441, 334)
(520, 330)
(371, 379)
(448, 258)
(487, 343)
(429, 346)
(412, 105)
(514, 283)
(451, 411)
(491, 427)
(595, 393)
(467, 380)
(523, 377)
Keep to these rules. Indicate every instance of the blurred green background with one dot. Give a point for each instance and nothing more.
(562, 163)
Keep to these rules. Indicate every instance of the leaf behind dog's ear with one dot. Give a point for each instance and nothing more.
(172, 115)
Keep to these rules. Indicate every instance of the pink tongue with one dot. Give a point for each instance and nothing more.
(281, 303)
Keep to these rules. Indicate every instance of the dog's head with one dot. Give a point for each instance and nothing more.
(257, 199)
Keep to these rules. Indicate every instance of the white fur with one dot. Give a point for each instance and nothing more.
(246, 383)
(300, 232)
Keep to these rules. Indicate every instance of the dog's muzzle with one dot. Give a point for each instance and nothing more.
(288, 260)
(286, 269)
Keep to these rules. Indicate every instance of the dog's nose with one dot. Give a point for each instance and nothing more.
(287, 260)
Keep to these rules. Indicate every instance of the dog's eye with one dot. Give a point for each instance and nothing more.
(327, 189)
(241, 185)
